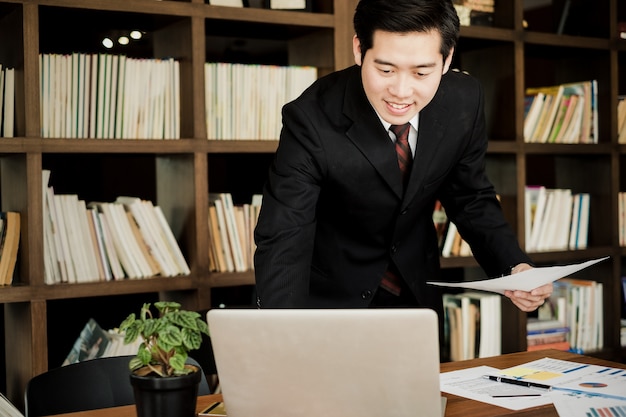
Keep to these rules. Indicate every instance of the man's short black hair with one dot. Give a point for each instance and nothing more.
(403, 16)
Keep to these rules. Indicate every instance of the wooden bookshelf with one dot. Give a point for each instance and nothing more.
(178, 174)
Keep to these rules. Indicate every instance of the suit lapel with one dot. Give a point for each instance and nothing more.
(429, 141)
(369, 135)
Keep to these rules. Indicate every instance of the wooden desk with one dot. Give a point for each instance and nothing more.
(456, 407)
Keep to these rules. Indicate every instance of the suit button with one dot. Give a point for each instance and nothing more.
(394, 249)
(403, 212)
(366, 294)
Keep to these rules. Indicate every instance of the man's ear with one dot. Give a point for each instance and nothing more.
(448, 61)
(356, 50)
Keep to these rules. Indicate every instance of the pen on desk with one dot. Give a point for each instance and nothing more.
(517, 382)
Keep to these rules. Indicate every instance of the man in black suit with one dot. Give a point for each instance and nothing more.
(338, 226)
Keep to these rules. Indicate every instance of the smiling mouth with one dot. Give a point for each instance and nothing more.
(398, 106)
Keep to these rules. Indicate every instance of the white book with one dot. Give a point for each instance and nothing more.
(161, 240)
(117, 270)
(599, 316)
(176, 100)
(446, 251)
(44, 93)
(122, 247)
(171, 240)
(89, 254)
(65, 244)
(133, 244)
(94, 92)
(101, 250)
(81, 96)
(233, 233)
(538, 220)
(242, 230)
(574, 222)
(101, 104)
(9, 103)
(56, 103)
(550, 221)
(120, 96)
(130, 93)
(490, 323)
(72, 114)
(73, 232)
(90, 244)
(168, 105)
(154, 96)
(210, 99)
(223, 232)
(563, 220)
(52, 270)
(113, 96)
(58, 235)
(531, 199)
(136, 208)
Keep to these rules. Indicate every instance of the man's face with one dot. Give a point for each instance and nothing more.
(401, 72)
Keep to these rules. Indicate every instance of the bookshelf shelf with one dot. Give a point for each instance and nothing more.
(178, 174)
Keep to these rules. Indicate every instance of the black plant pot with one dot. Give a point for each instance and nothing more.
(166, 397)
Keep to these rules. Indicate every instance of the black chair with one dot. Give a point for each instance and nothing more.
(87, 385)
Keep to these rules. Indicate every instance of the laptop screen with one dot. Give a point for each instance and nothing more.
(327, 362)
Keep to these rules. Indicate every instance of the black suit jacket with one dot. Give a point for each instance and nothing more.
(334, 214)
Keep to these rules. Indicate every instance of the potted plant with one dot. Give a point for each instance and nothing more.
(164, 385)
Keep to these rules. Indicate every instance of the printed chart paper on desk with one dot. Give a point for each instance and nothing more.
(525, 281)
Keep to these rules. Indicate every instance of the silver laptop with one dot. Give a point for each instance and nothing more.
(327, 362)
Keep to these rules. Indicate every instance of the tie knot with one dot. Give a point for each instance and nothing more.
(400, 130)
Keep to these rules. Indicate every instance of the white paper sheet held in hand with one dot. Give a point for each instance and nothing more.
(525, 281)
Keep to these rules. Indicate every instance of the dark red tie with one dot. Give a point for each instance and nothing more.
(405, 157)
(391, 281)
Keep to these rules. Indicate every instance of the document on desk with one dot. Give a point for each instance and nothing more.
(577, 389)
(567, 405)
(470, 383)
(525, 281)
(573, 378)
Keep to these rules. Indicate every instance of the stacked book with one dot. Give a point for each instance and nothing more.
(555, 219)
(231, 231)
(572, 319)
(108, 96)
(258, 92)
(564, 113)
(102, 241)
(449, 239)
(472, 324)
(547, 334)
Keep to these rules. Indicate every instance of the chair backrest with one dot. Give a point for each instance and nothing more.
(87, 385)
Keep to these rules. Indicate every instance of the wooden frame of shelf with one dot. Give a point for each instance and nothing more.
(180, 182)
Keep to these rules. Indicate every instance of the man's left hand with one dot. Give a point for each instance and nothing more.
(529, 300)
